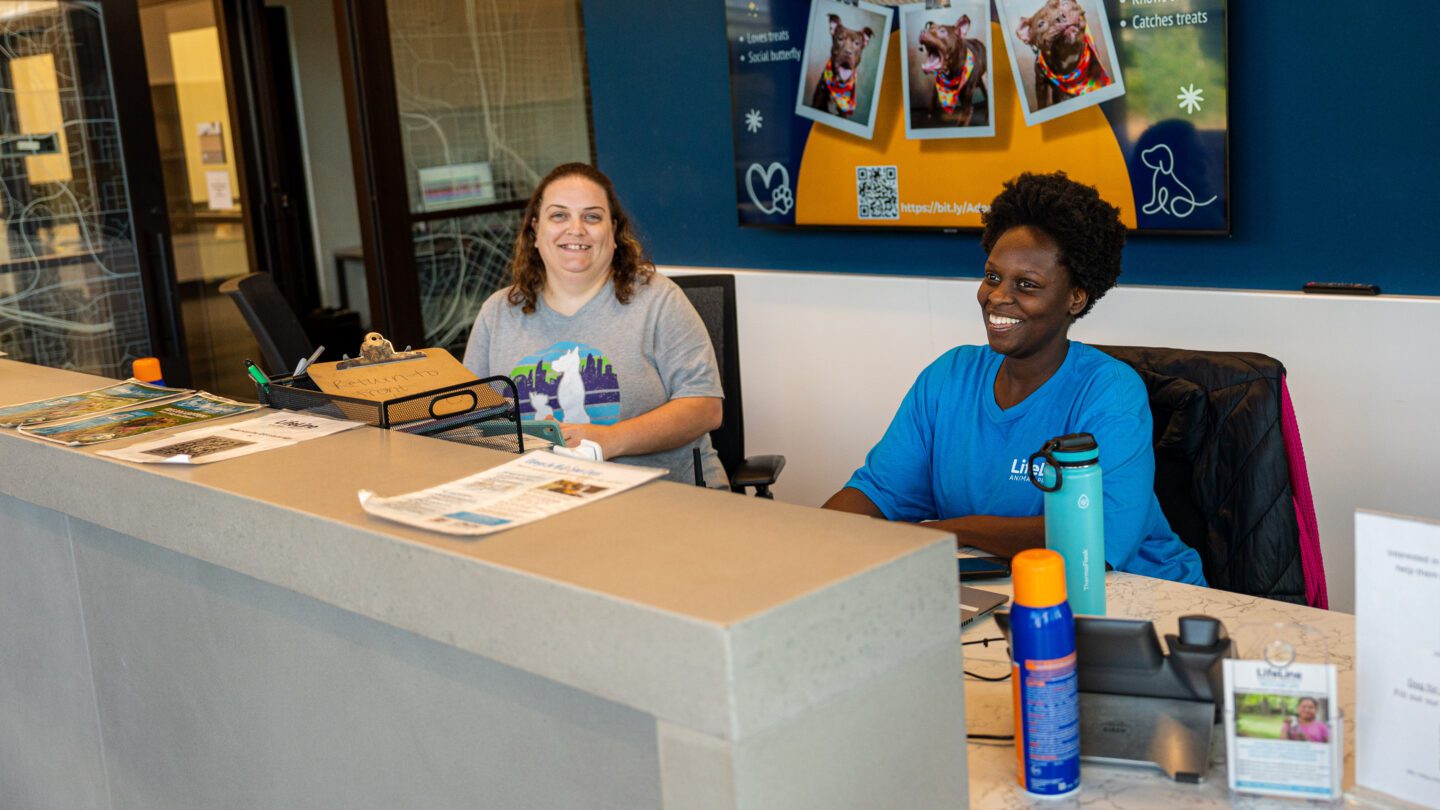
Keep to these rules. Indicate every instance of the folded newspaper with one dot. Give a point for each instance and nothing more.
(534, 486)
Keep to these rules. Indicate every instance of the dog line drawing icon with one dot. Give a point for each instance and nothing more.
(1167, 194)
(782, 199)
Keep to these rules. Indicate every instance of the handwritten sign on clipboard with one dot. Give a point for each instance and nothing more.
(385, 381)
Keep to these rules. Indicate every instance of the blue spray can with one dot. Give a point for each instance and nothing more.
(1074, 515)
(1044, 682)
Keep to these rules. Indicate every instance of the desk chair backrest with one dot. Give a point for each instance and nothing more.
(1223, 472)
(714, 298)
(276, 328)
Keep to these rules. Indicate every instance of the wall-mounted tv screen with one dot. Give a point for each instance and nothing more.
(850, 113)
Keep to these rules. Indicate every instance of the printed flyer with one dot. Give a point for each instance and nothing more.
(126, 394)
(136, 421)
(219, 442)
(1283, 729)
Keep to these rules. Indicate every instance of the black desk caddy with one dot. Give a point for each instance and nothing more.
(452, 413)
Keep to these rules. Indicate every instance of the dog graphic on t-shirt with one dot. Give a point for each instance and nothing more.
(540, 401)
(571, 393)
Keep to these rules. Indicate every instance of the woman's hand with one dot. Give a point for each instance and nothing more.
(573, 433)
(674, 424)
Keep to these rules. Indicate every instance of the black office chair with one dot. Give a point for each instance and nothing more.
(282, 339)
(714, 298)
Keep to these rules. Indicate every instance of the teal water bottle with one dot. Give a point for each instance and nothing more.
(1067, 469)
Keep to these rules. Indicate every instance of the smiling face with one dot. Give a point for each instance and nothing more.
(1027, 297)
(574, 231)
(1307, 710)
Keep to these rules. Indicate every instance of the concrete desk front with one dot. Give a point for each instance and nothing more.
(241, 634)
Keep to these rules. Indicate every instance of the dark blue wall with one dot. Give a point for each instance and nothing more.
(1333, 168)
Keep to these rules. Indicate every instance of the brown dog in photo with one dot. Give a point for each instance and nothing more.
(958, 65)
(835, 92)
(1066, 62)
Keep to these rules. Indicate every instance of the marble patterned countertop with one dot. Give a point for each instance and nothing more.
(1249, 620)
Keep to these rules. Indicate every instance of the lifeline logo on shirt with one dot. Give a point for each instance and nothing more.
(1018, 469)
(569, 381)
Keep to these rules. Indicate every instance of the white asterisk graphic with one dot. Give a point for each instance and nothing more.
(1190, 98)
(754, 120)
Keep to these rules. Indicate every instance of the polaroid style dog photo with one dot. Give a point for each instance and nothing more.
(1061, 54)
(947, 70)
(843, 65)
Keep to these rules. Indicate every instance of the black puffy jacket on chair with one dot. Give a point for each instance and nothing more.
(1221, 472)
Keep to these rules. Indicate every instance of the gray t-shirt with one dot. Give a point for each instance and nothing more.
(607, 362)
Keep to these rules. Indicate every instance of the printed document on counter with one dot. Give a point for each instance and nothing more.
(1397, 656)
(534, 486)
(220, 442)
(129, 394)
(199, 407)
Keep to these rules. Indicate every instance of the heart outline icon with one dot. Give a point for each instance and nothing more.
(766, 173)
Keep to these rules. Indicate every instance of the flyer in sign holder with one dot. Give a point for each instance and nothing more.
(1284, 731)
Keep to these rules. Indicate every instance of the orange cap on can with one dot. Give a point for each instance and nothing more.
(1039, 578)
(146, 369)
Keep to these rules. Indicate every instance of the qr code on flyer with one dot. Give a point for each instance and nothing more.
(877, 191)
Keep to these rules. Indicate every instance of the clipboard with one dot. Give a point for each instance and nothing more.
(387, 380)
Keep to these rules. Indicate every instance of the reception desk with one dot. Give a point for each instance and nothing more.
(241, 634)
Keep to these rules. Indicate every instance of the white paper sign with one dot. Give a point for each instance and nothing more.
(217, 185)
(1397, 656)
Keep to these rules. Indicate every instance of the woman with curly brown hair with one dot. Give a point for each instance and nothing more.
(956, 453)
(596, 339)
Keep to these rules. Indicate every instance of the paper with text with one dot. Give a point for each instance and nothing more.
(220, 442)
(534, 486)
(1397, 656)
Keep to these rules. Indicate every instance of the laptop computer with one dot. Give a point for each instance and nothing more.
(975, 602)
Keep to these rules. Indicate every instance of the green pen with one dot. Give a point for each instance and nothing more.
(257, 375)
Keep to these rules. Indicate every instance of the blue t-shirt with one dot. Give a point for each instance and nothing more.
(952, 452)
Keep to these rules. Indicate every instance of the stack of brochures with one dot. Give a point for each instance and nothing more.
(118, 411)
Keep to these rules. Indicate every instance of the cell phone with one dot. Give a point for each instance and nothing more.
(542, 428)
(982, 567)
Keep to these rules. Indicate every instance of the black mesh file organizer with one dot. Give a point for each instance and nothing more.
(485, 413)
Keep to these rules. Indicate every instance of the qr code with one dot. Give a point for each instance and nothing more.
(877, 192)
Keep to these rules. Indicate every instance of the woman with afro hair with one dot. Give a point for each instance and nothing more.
(955, 454)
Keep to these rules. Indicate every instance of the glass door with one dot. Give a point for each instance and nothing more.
(201, 173)
(84, 250)
(458, 108)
